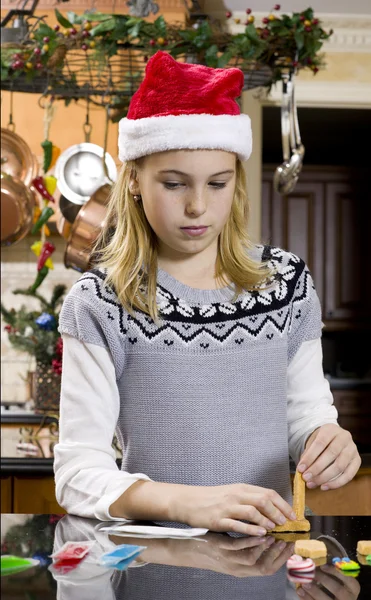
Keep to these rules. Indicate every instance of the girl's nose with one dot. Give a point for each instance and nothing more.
(196, 204)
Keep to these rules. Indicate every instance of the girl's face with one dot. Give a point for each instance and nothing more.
(183, 189)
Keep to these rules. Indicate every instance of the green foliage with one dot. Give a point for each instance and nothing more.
(26, 335)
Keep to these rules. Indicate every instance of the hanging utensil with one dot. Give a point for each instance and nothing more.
(287, 174)
(83, 168)
(85, 230)
(17, 204)
(17, 159)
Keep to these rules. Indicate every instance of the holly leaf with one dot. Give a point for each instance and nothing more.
(62, 20)
(103, 27)
(74, 18)
(160, 26)
(299, 39)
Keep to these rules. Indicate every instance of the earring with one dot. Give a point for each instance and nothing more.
(137, 197)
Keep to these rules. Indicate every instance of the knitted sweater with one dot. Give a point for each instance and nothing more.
(202, 399)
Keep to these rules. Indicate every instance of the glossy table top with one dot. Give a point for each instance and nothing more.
(213, 567)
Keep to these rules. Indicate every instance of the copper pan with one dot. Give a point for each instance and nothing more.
(16, 157)
(63, 226)
(85, 230)
(17, 204)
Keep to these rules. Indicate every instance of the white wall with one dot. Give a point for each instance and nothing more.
(357, 7)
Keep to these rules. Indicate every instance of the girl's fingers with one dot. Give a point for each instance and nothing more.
(271, 495)
(276, 556)
(250, 513)
(324, 437)
(237, 526)
(348, 474)
(242, 543)
(338, 586)
(315, 593)
(249, 558)
(335, 469)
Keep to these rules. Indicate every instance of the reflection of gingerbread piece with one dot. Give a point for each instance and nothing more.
(290, 537)
(300, 524)
(364, 547)
(310, 549)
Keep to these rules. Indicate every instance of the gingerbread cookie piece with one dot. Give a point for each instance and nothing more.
(364, 547)
(310, 549)
(300, 524)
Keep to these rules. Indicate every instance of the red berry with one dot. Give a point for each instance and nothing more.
(85, 33)
(84, 47)
(16, 57)
(309, 60)
(295, 63)
(276, 7)
(56, 27)
(315, 21)
(308, 28)
(37, 51)
(152, 42)
(145, 59)
(248, 11)
(228, 14)
(18, 64)
(315, 69)
(265, 20)
(8, 328)
(302, 18)
(39, 66)
(73, 31)
(46, 39)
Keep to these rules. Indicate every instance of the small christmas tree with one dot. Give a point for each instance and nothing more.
(36, 331)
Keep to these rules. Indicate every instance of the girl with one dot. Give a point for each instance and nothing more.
(201, 350)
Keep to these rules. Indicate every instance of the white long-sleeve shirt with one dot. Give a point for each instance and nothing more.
(87, 478)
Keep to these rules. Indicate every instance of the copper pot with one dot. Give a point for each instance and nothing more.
(17, 204)
(16, 157)
(85, 230)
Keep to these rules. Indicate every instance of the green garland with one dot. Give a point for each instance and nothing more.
(282, 41)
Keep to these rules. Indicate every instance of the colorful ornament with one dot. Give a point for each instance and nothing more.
(39, 186)
(36, 249)
(46, 321)
(46, 213)
(299, 564)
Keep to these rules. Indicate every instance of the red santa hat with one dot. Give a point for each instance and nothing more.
(182, 106)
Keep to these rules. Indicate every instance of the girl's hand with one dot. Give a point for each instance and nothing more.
(225, 507)
(330, 458)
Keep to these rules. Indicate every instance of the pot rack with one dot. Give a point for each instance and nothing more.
(112, 84)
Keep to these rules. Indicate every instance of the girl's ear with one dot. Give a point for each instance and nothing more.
(134, 188)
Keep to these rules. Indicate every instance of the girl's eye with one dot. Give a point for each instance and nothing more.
(218, 184)
(172, 186)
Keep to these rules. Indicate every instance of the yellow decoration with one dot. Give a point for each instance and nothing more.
(50, 182)
(237, 21)
(271, 17)
(251, 19)
(307, 23)
(55, 155)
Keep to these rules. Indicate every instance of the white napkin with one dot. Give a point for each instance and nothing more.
(154, 532)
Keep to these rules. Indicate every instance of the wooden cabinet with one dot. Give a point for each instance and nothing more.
(353, 499)
(35, 495)
(325, 221)
(354, 410)
(6, 495)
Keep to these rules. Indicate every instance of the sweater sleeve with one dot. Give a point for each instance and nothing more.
(306, 314)
(87, 478)
(309, 398)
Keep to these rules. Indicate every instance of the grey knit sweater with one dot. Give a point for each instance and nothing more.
(203, 396)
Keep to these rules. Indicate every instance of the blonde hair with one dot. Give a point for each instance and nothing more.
(127, 247)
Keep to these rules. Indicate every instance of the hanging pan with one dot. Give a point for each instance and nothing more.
(17, 204)
(16, 157)
(85, 230)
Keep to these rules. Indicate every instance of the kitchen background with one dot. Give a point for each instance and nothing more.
(326, 219)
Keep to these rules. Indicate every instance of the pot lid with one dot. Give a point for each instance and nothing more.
(80, 172)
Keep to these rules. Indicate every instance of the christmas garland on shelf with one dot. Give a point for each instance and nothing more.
(281, 42)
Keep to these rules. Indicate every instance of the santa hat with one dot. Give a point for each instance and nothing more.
(182, 106)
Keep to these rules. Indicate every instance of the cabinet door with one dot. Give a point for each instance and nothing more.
(354, 408)
(295, 222)
(35, 495)
(347, 266)
(353, 499)
(6, 494)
